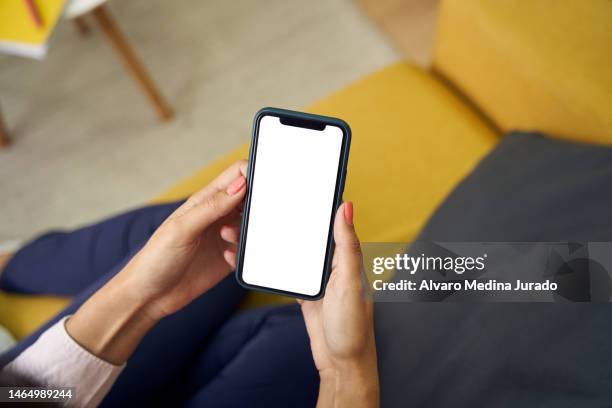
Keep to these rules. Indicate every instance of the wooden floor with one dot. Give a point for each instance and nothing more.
(409, 24)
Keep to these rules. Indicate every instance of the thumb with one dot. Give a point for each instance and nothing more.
(212, 207)
(348, 249)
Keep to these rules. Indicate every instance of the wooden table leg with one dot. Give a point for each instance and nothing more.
(4, 139)
(128, 57)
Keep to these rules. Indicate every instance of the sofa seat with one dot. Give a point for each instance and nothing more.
(413, 140)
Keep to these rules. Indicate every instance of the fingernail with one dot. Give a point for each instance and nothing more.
(348, 212)
(236, 185)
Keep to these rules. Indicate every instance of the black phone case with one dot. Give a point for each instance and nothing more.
(303, 120)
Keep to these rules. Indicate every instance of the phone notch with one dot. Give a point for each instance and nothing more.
(303, 123)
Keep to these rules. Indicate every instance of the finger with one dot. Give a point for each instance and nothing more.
(233, 218)
(202, 214)
(230, 233)
(348, 249)
(232, 247)
(230, 257)
(221, 182)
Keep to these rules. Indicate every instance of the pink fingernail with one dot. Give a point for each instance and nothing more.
(236, 186)
(348, 212)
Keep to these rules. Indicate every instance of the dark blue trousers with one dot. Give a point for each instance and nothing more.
(205, 354)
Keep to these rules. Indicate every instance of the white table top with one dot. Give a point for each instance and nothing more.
(76, 8)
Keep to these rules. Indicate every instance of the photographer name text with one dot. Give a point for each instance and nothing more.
(463, 285)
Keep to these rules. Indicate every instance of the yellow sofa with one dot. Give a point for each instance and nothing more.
(498, 65)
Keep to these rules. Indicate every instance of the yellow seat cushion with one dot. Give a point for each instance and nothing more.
(413, 140)
(22, 314)
(532, 65)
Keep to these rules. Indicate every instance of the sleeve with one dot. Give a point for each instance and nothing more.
(57, 360)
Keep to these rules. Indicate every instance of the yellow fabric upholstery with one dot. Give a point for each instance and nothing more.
(22, 314)
(532, 65)
(413, 140)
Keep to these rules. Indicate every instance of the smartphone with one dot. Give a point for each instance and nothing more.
(297, 167)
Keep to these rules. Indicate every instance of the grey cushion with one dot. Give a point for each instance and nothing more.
(529, 188)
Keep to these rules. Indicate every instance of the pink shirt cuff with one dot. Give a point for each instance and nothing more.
(56, 360)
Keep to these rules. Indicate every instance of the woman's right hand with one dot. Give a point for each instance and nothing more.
(340, 326)
(185, 257)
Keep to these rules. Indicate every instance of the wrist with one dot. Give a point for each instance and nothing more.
(151, 290)
(352, 382)
(359, 378)
(136, 293)
(129, 296)
(112, 322)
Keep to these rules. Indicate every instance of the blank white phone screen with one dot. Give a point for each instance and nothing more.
(291, 206)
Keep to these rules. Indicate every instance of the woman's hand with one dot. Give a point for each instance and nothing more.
(184, 258)
(187, 255)
(340, 326)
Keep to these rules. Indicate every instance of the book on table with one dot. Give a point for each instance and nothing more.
(26, 26)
